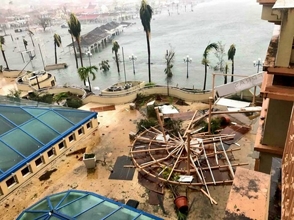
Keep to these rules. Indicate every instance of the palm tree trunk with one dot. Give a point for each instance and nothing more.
(205, 74)
(77, 65)
(80, 50)
(32, 40)
(4, 57)
(117, 63)
(232, 77)
(89, 84)
(148, 47)
(55, 53)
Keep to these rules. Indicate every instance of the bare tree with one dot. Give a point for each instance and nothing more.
(44, 22)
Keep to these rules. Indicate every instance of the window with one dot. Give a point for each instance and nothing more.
(1, 192)
(50, 153)
(11, 181)
(80, 131)
(25, 171)
(61, 145)
(89, 125)
(71, 138)
(39, 161)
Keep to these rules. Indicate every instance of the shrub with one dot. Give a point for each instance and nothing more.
(214, 126)
(145, 123)
(74, 102)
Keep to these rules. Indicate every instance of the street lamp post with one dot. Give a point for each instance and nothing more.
(89, 54)
(133, 58)
(258, 64)
(187, 60)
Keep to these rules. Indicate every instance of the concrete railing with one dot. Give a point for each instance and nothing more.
(136, 85)
(47, 82)
(56, 90)
(130, 97)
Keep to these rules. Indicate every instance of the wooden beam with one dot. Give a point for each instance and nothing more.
(267, 81)
(281, 71)
(269, 149)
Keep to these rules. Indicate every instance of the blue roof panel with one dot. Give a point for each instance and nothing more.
(55, 121)
(8, 157)
(40, 131)
(5, 125)
(29, 128)
(74, 117)
(24, 143)
(15, 114)
(84, 205)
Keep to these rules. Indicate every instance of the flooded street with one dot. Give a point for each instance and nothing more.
(187, 32)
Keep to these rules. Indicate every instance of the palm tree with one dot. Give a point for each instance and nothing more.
(115, 48)
(205, 60)
(31, 34)
(84, 74)
(231, 56)
(75, 52)
(57, 42)
(75, 29)
(2, 42)
(145, 16)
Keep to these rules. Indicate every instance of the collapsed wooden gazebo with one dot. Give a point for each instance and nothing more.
(191, 159)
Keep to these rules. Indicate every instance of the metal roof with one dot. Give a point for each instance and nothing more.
(29, 128)
(76, 204)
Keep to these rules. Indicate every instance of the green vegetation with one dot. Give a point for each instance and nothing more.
(205, 60)
(214, 125)
(231, 56)
(84, 74)
(150, 84)
(75, 31)
(115, 48)
(173, 126)
(174, 177)
(169, 57)
(104, 66)
(74, 102)
(57, 43)
(14, 93)
(145, 124)
(46, 98)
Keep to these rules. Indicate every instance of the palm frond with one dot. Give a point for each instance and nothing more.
(115, 46)
(231, 52)
(30, 32)
(74, 25)
(57, 40)
(146, 15)
(2, 40)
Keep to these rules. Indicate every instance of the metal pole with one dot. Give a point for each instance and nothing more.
(133, 64)
(213, 85)
(187, 68)
(209, 116)
(37, 82)
(122, 49)
(41, 56)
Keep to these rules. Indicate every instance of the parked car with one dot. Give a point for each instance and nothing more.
(64, 26)
(18, 30)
